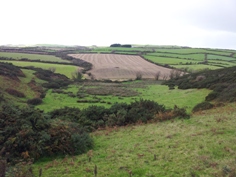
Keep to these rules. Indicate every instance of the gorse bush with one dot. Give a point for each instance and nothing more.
(202, 106)
(29, 134)
(35, 101)
(119, 114)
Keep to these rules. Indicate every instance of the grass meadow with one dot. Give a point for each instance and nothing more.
(166, 60)
(18, 56)
(60, 68)
(203, 145)
(101, 95)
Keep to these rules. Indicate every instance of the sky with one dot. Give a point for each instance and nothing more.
(194, 23)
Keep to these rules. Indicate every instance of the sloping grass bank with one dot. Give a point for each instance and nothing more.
(203, 145)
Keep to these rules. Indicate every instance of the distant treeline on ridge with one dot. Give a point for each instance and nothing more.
(119, 45)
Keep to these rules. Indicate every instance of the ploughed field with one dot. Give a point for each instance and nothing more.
(121, 67)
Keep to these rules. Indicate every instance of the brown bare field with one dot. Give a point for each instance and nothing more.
(122, 67)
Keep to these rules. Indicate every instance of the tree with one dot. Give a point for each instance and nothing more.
(157, 75)
(77, 75)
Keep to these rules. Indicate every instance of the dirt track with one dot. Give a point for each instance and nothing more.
(121, 67)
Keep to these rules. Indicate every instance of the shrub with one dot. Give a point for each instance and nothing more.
(139, 76)
(30, 134)
(157, 75)
(35, 101)
(211, 96)
(202, 106)
(15, 93)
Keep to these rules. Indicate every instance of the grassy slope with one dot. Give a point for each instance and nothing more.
(62, 69)
(32, 57)
(204, 145)
(20, 86)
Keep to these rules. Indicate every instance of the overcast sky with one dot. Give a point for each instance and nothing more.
(194, 23)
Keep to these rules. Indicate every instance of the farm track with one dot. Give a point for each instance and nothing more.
(121, 67)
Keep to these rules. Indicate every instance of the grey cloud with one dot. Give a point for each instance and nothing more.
(214, 15)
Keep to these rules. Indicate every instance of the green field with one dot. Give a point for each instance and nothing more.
(197, 67)
(145, 90)
(217, 57)
(203, 145)
(169, 61)
(60, 68)
(222, 63)
(198, 57)
(18, 56)
(194, 50)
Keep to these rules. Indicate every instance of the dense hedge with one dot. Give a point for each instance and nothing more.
(29, 134)
(119, 114)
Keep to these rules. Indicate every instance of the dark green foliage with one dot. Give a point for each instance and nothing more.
(15, 93)
(30, 134)
(211, 96)
(11, 71)
(115, 45)
(66, 113)
(221, 81)
(202, 106)
(119, 45)
(119, 114)
(35, 101)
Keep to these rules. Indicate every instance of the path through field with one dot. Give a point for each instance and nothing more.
(121, 67)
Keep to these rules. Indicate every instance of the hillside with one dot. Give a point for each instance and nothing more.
(200, 146)
(56, 113)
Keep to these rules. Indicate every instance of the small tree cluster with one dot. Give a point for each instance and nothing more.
(77, 75)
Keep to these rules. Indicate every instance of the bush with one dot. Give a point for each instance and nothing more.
(139, 76)
(202, 106)
(35, 101)
(211, 96)
(29, 134)
(15, 93)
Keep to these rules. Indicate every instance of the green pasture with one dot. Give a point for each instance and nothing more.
(199, 57)
(60, 68)
(18, 56)
(166, 60)
(203, 145)
(217, 57)
(220, 52)
(194, 50)
(196, 67)
(151, 91)
(222, 63)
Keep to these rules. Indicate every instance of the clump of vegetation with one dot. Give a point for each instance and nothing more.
(119, 114)
(35, 101)
(29, 134)
(15, 93)
(139, 76)
(202, 106)
(11, 71)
